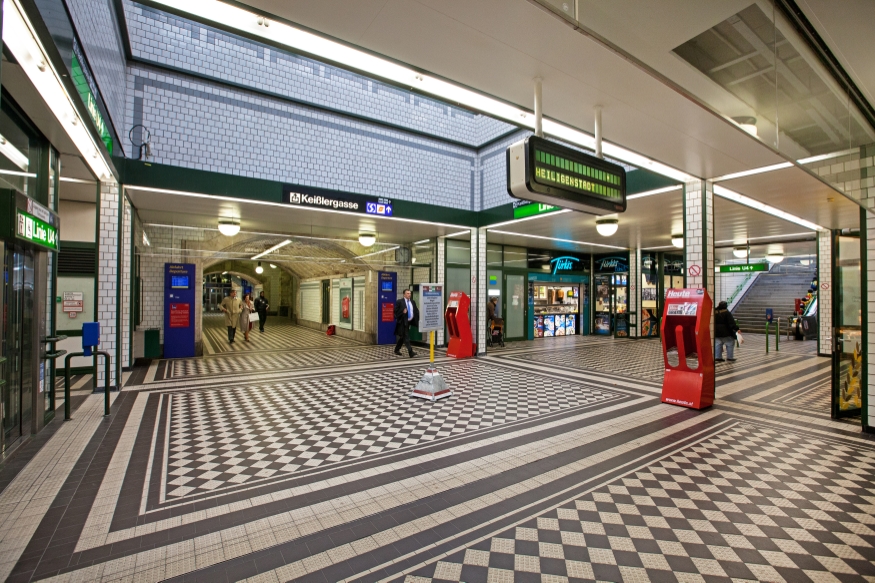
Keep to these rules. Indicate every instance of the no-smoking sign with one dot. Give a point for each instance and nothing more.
(694, 270)
(824, 286)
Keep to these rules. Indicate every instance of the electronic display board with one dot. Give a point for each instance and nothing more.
(179, 282)
(551, 173)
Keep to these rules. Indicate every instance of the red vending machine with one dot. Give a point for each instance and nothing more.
(687, 349)
(461, 342)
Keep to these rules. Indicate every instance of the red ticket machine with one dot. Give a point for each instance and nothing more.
(687, 349)
(461, 342)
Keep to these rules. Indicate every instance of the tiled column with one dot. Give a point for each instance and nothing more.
(824, 293)
(478, 288)
(107, 278)
(441, 278)
(868, 275)
(125, 280)
(634, 293)
(699, 236)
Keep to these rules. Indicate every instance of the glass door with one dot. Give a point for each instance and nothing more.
(620, 300)
(19, 309)
(515, 307)
(602, 309)
(848, 335)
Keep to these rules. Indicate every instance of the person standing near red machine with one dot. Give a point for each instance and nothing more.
(406, 315)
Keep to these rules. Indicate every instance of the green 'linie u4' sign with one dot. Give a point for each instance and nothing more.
(36, 231)
(743, 268)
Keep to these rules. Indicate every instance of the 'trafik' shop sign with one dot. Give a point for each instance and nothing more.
(318, 198)
(612, 264)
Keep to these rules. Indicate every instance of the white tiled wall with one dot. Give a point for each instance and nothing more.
(699, 235)
(869, 274)
(108, 250)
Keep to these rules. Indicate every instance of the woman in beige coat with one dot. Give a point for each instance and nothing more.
(247, 309)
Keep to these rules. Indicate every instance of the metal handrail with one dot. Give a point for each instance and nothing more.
(739, 288)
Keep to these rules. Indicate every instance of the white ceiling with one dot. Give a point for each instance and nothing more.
(499, 46)
(174, 209)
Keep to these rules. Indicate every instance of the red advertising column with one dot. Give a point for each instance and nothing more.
(687, 349)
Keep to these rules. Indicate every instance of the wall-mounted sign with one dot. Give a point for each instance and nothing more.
(84, 83)
(35, 230)
(73, 303)
(612, 264)
(307, 196)
(742, 268)
(547, 172)
(531, 209)
(565, 263)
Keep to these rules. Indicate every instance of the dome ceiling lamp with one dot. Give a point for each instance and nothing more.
(678, 240)
(367, 239)
(740, 252)
(607, 226)
(229, 227)
(259, 269)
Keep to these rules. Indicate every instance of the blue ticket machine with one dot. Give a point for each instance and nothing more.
(388, 293)
(179, 310)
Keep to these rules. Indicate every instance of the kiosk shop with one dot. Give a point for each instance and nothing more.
(558, 303)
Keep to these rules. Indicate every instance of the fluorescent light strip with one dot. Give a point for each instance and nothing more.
(17, 173)
(770, 210)
(272, 249)
(76, 180)
(14, 154)
(515, 221)
(554, 239)
(21, 39)
(297, 40)
(194, 228)
(377, 252)
(282, 205)
(754, 171)
(743, 242)
(830, 156)
(656, 191)
(460, 233)
(680, 250)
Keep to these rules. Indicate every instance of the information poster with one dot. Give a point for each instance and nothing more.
(431, 307)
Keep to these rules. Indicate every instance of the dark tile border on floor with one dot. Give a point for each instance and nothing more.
(12, 465)
(53, 544)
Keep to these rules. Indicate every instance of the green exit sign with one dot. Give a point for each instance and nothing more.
(743, 268)
(532, 209)
(36, 231)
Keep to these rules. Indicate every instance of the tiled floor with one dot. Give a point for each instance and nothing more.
(553, 461)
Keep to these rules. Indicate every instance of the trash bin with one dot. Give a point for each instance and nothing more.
(153, 343)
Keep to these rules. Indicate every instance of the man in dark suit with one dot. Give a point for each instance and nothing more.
(406, 315)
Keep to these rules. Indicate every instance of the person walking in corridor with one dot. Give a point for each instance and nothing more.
(246, 309)
(724, 333)
(261, 307)
(232, 306)
(406, 315)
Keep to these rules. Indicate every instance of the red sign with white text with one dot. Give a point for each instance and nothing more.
(180, 315)
(687, 349)
(387, 314)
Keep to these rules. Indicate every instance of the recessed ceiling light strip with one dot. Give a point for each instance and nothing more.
(272, 249)
(297, 40)
(754, 171)
(582, 243)
(655, 191)
(760, 206)
(522, 220)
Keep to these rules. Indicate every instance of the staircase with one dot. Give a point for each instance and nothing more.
(776, 289)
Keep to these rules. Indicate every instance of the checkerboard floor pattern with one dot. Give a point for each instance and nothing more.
(640, 359)
(815, 398)
(280, 334)
(747, 504)
(231, 436)
(223, 365)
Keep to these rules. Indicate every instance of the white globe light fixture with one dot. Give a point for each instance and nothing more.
(740, 252)
(259, 269)
(747, 123)
(229, 227)
(678, 241)
(775, 257)
(272, 266)
(607, 227)
(367, 239)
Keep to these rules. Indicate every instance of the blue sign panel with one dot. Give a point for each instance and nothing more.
(179, 310)
(386, 307)
(90, 337)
